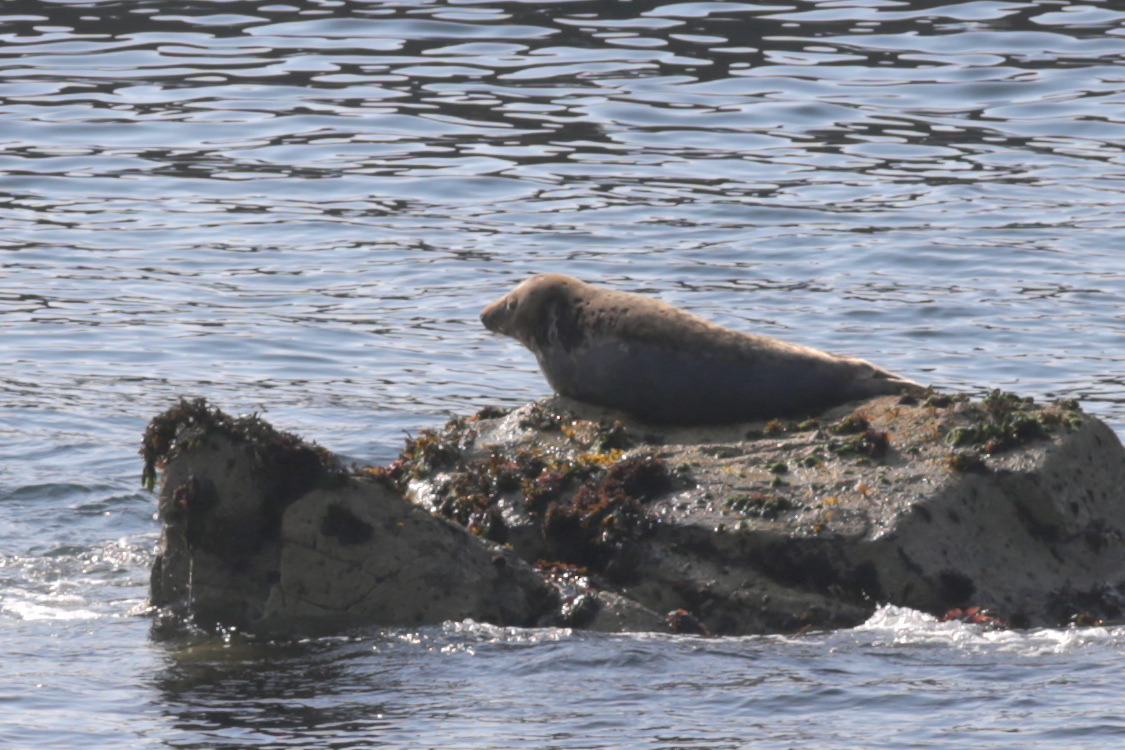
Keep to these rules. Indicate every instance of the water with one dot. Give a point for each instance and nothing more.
(300, 207)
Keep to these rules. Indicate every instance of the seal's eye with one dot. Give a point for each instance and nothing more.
(511, 306)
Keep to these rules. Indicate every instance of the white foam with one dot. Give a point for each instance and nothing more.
(904, 626)
(49, 608)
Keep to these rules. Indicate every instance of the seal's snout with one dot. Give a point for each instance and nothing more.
(502, 316)
(488, 317)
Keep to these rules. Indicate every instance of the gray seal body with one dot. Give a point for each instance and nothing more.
(666, 365)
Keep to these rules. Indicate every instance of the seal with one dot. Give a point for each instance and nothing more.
(665, 365)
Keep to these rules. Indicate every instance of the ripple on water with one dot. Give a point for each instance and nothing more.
(300, 208)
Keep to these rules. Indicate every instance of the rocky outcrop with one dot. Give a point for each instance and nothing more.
(561, 514)
(263, 531)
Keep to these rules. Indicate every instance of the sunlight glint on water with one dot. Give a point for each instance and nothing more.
(300, 208)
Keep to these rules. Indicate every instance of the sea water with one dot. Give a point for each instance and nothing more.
(298, 208)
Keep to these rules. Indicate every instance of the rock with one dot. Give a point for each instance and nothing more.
(563, 514)
(262, 531)
(226, 485)
(361, 554)
(935, 504)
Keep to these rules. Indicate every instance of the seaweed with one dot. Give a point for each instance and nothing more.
(273, 447)
(869, 444)
(1004, 421)
(604, 515)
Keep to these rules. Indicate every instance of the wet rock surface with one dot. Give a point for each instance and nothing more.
(562, 514)
(256, 534)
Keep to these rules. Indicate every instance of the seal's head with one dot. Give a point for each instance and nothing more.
(541, 312)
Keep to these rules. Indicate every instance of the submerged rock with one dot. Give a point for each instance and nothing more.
(559, 513)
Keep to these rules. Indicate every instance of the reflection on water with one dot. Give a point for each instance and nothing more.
(468, 685)
(234, 690)
(299, 207)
